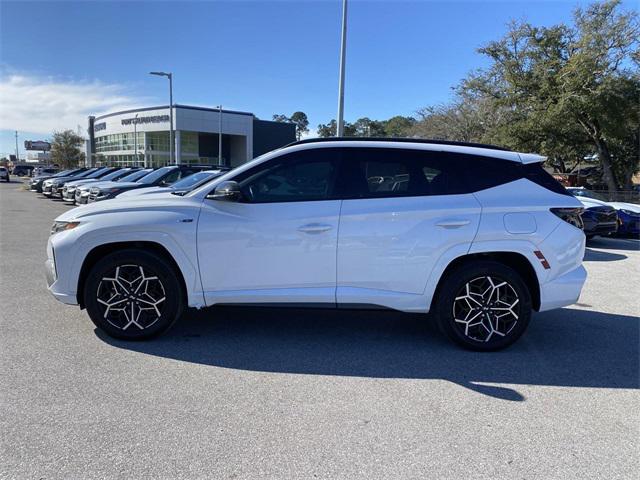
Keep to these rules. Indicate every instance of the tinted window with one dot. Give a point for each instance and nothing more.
(301, 176)
(156, 174)
(132, 177)
(393, 172)
(481, 173)
(539, 175)
(191, 180)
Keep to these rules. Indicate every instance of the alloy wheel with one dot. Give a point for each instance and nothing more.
(485, 308)
(131, 298)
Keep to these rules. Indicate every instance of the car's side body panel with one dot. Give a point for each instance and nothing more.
(270, 252)
(387, 247)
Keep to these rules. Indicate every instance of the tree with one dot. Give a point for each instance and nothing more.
(399, 126)
(65, 149)
(299, 119)
(562, 87)
(302, 123)
(330, 129)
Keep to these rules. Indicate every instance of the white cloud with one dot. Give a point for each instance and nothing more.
(44, 105)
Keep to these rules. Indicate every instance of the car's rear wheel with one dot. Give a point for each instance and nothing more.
(483, 306)
(133, 294)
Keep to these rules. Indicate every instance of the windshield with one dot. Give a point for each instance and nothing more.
(194, 179)
(97, 173)
(63, 173)
(112, 175)
(87, 173)
(153, 176)
(132, 177)
(587, 194)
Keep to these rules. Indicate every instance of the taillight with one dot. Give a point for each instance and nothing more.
(570, 215)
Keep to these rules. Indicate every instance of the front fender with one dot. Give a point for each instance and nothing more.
(179, 239)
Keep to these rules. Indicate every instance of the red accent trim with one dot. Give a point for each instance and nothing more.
(542, 259)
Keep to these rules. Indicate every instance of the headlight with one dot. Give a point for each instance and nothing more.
(62, 226)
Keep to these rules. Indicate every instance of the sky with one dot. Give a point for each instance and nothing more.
(61, 61)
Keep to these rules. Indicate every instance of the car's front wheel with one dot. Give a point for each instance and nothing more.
(483, 306)
(133, 294)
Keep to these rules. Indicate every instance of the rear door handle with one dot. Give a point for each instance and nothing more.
(314, 228)
(453, 223)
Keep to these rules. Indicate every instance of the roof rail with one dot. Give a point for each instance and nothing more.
(398, 139)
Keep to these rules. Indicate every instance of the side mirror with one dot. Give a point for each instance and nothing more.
(228, 191)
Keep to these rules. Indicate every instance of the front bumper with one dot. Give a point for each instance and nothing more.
(54, 284)
(69, 195)
(629, 224)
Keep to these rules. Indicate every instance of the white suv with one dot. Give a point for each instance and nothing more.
(479, 235)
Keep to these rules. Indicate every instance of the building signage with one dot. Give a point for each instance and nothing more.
(99, 126)
(37, 145)
(152, 119)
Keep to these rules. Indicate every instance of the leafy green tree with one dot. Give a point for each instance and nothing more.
(330, 129)
(66, 149)
(302, 123)
(299, 119)
(563, 86)
(399, 126)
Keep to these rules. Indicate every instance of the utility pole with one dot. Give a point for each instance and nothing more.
(343, 52)
(135, 140)
(220, 135)
(17, 157)
(172, 146)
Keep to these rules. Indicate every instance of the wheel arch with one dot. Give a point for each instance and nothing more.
(100, 251)
(515, 260)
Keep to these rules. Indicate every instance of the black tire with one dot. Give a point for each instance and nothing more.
(159, 281)
(456, 301)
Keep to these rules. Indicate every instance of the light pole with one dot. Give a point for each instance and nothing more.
(169, 75)
(343, 52)
(135, 140)
(220, 135)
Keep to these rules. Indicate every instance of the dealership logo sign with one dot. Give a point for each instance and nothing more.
(152, 119)
(100, 126)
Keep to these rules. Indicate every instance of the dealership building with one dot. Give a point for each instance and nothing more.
(140, 137)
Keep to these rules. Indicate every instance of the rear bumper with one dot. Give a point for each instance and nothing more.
(563, 290)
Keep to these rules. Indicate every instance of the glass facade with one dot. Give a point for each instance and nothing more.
(119, 141)
(118, 149)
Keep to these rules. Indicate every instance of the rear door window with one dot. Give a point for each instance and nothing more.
(396, 172)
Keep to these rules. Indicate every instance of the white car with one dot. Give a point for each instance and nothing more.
(4, 174)
(181, 187)
(478, 235)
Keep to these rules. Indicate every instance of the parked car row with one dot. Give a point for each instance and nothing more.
(86, 185)
(606, 218)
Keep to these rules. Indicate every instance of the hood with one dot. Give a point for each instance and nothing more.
(145, 191)
(632, 207)
(592, 202)
(65, 179)
(129, 204)
(77, 183)
(116, 185)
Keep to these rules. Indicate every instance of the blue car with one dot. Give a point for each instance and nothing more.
(628, 213)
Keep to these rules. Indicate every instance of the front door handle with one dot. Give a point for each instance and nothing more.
(314, 228)
(453, 223)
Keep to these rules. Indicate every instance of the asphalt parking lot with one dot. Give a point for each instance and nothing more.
(250, 393)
